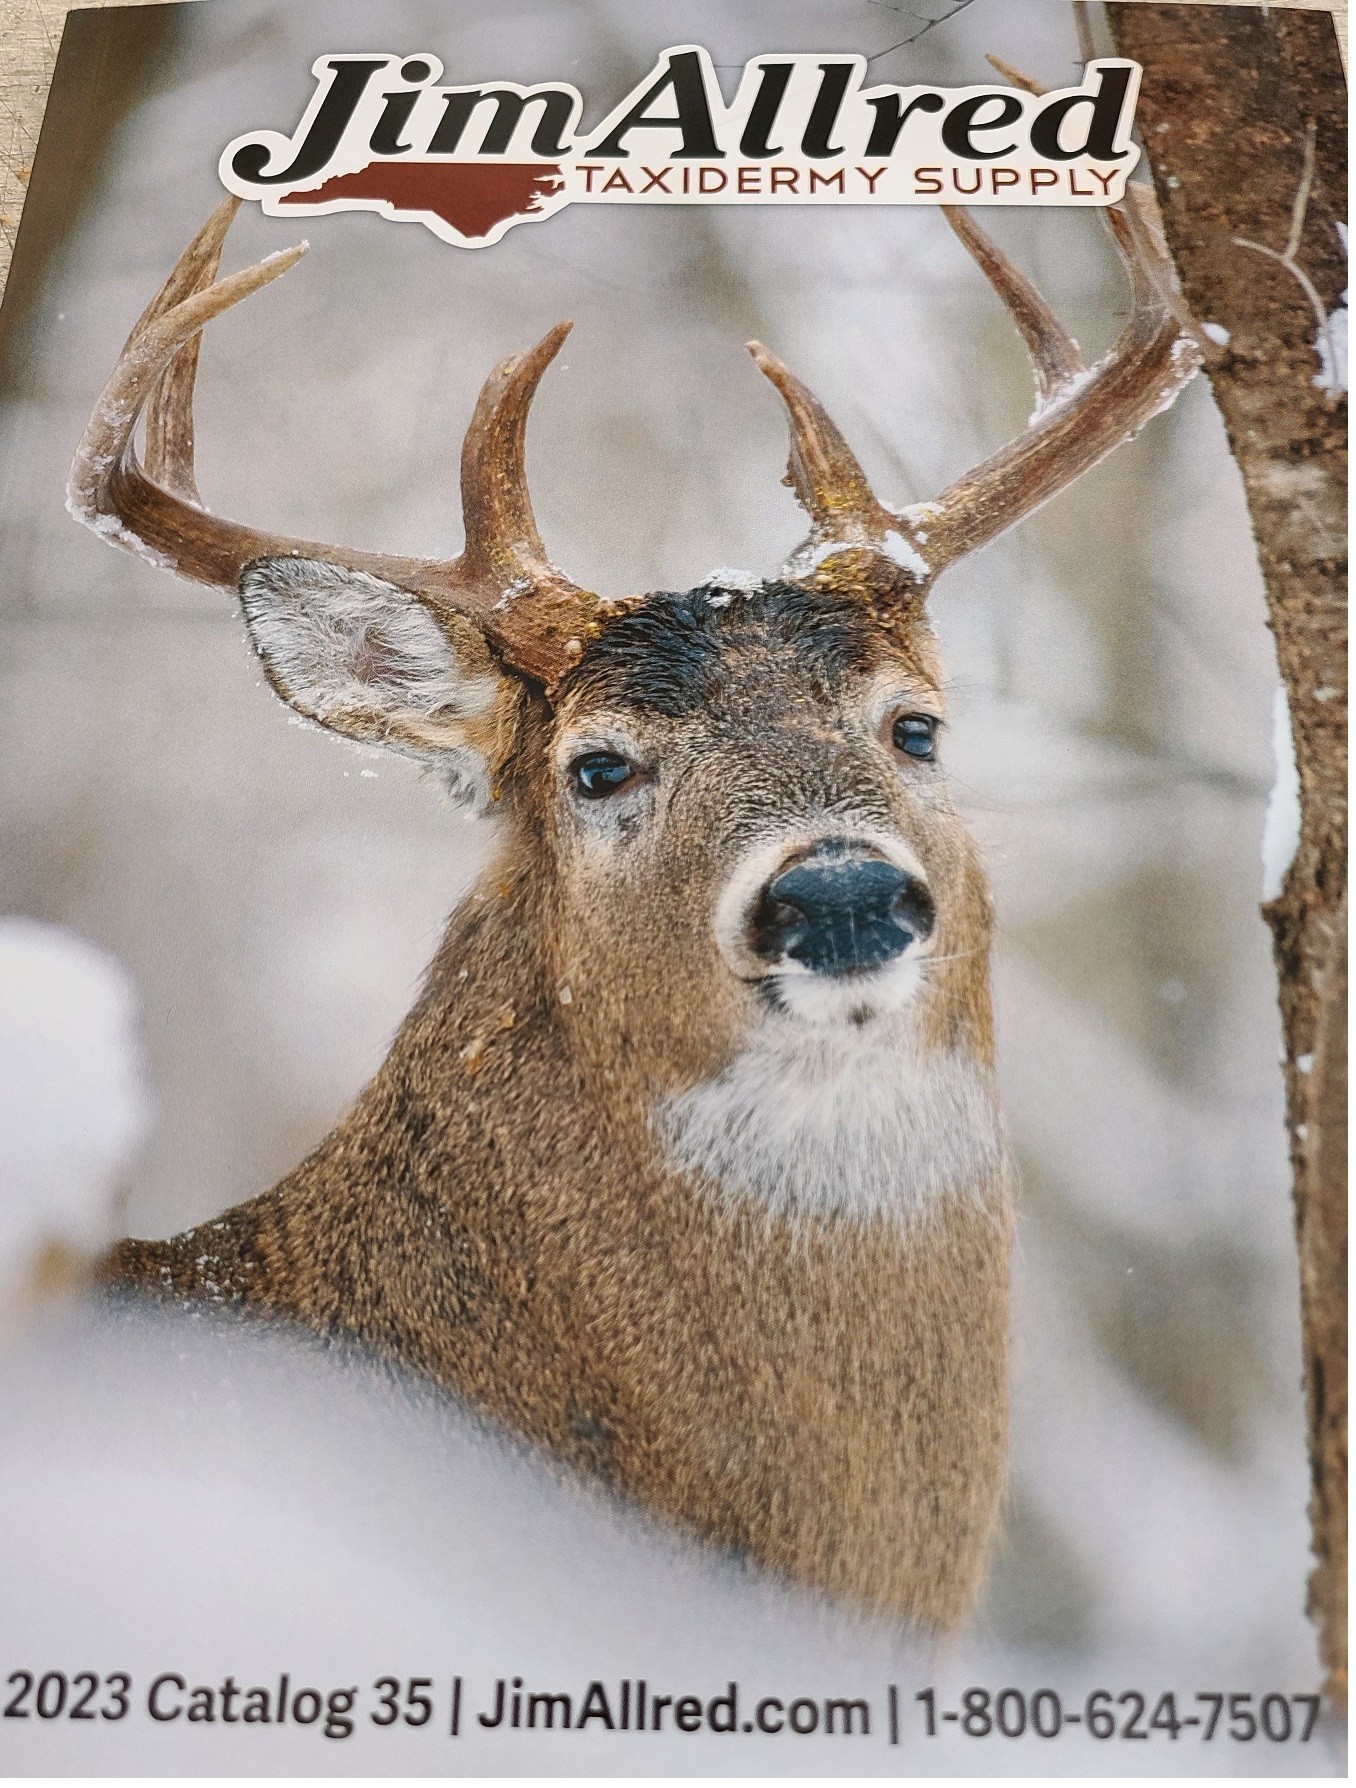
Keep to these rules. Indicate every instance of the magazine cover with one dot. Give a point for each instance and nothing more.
(673, 973)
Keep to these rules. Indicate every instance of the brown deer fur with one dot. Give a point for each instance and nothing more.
(495, 1210)
(735, 1244)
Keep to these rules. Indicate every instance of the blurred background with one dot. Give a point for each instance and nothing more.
(271, 896)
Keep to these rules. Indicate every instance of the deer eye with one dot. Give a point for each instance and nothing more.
(916, 735)
(600, 774)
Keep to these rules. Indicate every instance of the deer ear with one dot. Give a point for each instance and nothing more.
(369, 661)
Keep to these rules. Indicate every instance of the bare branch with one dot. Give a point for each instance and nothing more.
(1286, 257)
(1305, 284)
(1027, 82)
(1306, 186)
(925, 24)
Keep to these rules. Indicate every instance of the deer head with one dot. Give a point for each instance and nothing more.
(729, 803)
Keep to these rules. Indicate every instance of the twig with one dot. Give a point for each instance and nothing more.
(1305, 284)
(1301, 204)
(1286, 257)
(925, 25)
(1014, 75)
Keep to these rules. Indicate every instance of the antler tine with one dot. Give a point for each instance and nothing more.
(501, 530)
(821, 468)
(169, 410)
(845, 515)
(195, 268)
(1083, 413)
(1056, 359)
(108, 489)
(1029, 84)
(1150, 362)
(161, 517)
(1137, 231)
(547, 616)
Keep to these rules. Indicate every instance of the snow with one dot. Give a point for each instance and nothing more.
(915, 516)
(1331, 343)
(903, 552)
(356, 1529)
(1063, 393)
(1281, 828)
(1331, 347)
(1186, 358)
(808, 558)
(520, 586)
(74, 1104)
(1217, 333)
(728, 582)
(351, 1525)
(112, 528)
(894, 546)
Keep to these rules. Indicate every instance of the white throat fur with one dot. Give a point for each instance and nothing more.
(841, 1120)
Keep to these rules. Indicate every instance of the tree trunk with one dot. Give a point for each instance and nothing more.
(1241, 111)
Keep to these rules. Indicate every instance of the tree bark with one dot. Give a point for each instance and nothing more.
(1236, 105)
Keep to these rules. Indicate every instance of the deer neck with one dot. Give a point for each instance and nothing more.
(496, 1213)
(884, 1122)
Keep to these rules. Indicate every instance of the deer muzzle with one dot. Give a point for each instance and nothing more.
(841, 909)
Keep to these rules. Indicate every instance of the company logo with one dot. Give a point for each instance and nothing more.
(381, 133)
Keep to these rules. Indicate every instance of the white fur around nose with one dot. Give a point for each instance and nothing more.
(840, 1120)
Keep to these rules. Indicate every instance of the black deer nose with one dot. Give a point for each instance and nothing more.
(841, 909)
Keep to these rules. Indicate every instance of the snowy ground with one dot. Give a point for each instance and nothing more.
(174, 1503)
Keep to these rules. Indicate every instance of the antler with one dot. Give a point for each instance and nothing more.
(534, 616)
(1082, 413)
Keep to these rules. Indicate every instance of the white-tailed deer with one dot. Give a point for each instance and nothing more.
(687, 1163)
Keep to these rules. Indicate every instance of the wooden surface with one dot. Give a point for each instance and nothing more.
(30, 31)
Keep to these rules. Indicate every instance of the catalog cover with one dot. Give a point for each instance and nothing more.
(672, 993)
